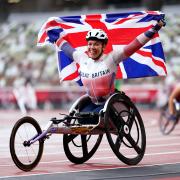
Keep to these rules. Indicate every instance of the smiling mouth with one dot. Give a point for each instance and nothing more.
(93, 52)
(94, 55)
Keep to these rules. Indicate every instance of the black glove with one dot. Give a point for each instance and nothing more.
(160, 24)
(163, 21)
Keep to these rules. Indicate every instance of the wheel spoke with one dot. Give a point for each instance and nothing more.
(118, 142)
(84, 145)
(116, 119)
(130, 120)
(133, 143)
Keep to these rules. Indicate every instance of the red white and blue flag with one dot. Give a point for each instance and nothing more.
(121, 28)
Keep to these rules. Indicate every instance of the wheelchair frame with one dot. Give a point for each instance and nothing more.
(120, 120)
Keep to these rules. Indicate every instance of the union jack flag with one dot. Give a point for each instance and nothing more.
(121, 28)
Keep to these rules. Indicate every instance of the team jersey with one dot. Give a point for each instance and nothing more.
(98, 76)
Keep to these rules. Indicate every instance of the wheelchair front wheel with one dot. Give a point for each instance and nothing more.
(125, 129)
(26, 157)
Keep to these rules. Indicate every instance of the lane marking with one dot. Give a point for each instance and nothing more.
(100, 158)
(127, 167)
(103, 149)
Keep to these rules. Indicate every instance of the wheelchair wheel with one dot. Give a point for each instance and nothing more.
(26, 157)
(125, 129)
(80, 148)
(166, 126)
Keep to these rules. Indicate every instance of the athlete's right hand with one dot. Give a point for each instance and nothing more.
(162, 22)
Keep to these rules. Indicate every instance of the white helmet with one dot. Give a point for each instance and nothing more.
(97, 34)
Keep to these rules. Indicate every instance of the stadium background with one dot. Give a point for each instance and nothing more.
(20, 21)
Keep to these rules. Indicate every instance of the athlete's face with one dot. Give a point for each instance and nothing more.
(95, 49)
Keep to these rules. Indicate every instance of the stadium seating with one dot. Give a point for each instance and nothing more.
(20, 57)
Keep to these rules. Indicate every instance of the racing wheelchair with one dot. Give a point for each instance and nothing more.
(166, 126)
(119, 119)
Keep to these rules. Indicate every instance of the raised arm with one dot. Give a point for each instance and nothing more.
(140, 40)
(65, 47)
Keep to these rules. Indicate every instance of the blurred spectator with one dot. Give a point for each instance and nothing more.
(19, 54)
(173, 98)
(25, 96)
(153, 5)
(4, 10)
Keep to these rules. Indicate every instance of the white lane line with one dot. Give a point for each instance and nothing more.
(75, 171)
(103, 149)
(100, 158)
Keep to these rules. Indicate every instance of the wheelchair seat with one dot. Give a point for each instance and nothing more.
(84, 115)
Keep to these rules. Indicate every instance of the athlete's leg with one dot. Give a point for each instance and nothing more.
(175, 93)
(91, 107)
